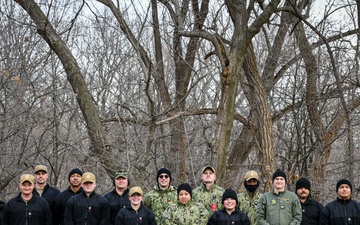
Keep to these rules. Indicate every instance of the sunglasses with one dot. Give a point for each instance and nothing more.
(164, 176)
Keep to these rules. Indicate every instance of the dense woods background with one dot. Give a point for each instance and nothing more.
(137, 85)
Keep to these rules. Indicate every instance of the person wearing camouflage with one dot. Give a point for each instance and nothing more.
(208, 193)
(249, 198)
(185, 211)
(163, 194)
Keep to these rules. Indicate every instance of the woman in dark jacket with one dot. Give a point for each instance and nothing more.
(136, 213)
(229, 214)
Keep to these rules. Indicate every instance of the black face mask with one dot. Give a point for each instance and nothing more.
(251, 188)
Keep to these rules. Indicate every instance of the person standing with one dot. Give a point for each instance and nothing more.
(88, 207)
(119, 197)
(135, 213)
(158, 199)
(249, 198)
(27, 208)
(2, 205)
(279, 206)
(43, 189)
(208, 193)
(343, 210)
(185, 211)
(62, 198)
(229, 214)
(311, 209)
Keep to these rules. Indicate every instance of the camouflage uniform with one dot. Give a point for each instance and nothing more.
(248, 204)
(209, 197)
(158, 200)
(188, 214)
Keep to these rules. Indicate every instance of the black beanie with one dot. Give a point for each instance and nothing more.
(343, 181)
(303, 182)
(186, 187)
(279, 173)
(76, 170)
(229, 193)
(163, 170)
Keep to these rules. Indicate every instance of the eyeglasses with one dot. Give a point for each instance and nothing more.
(164, 176)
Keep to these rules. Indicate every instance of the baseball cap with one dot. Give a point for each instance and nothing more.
(27, 177)
(40, 168)
(123, 174)
(251, 175)
(208, 167)
(88, 177)
(134, 190)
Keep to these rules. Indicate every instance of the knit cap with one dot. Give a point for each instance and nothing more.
(279, 173)
(186, 187)
(76, 170)
(163, 170)
(303, 182)
(343, 181)
(229, 193)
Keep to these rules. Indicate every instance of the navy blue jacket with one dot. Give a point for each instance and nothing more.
(2, 205)
(117, 202)
(92, 210)
(49, 194)
(60, 202)
(311, 212)
(128, 216)
(341, 212)
(221, 217)
(35, 212)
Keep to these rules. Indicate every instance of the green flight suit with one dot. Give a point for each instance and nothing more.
(279, 209)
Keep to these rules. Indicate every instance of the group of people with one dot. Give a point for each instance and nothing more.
(39, 203)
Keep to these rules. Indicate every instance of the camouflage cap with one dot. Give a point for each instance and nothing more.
(136, 189)
(207, 167)
(27, 177)
(123, 174)
(251, 175)
(88, 177)
(40, 168)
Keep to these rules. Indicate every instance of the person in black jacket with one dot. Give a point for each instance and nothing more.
(311, 209)
(87, 207)
(2, 205)
(43, 189)
(27, 208)
(135, 213)
(62, 198)
(343, 210)
(119, 197)
(230, 214)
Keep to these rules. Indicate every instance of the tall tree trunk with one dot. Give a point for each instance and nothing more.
(99, 144)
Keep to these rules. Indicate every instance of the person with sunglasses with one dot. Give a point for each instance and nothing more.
(162, 195)
(208, 193)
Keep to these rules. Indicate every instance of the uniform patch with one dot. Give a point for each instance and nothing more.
(285, 200)
(258, 206)
(273, 202)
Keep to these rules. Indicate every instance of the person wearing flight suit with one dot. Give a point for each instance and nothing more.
(279, 206)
